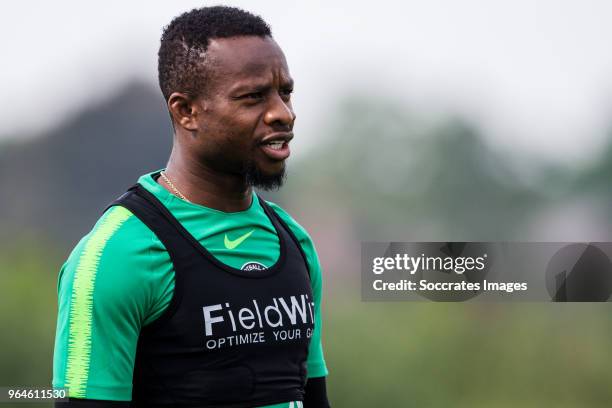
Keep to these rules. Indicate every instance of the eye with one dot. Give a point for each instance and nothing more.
(286, 93)
(254, 95)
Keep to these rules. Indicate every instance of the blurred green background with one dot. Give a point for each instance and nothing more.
(404, 179)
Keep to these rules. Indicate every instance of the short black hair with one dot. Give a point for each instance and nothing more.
(186, 38)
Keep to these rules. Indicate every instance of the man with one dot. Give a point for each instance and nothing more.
(191, 290)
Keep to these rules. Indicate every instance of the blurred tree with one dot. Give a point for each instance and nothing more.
(58, 183)
(404, 178)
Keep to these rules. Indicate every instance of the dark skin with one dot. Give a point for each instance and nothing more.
(247, 102)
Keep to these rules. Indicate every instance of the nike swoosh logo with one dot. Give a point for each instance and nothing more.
(231, 244)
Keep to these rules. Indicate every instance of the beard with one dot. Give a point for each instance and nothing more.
(267, 182)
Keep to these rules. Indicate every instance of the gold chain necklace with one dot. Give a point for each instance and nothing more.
(172, 186)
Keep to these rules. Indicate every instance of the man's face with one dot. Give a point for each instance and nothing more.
(245, 117)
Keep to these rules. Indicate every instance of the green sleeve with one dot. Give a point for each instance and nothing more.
(110, 286)
(316, 361)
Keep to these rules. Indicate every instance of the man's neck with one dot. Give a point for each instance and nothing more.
(202, 185)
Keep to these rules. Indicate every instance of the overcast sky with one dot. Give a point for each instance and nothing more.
(536, 75)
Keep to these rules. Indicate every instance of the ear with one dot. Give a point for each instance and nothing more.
(184, 110)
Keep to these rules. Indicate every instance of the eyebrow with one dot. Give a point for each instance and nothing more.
(259, 87)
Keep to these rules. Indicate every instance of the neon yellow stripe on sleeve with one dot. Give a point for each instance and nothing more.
(81, 301)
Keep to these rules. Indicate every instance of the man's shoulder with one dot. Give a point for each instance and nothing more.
(304, 240)
(120, 225)
(117, 233)
(298, 230)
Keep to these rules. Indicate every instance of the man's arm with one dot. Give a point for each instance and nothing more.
(316, 388)
(316, 392)
(107, 290)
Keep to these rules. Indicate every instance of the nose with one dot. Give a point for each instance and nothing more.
(279, 112)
